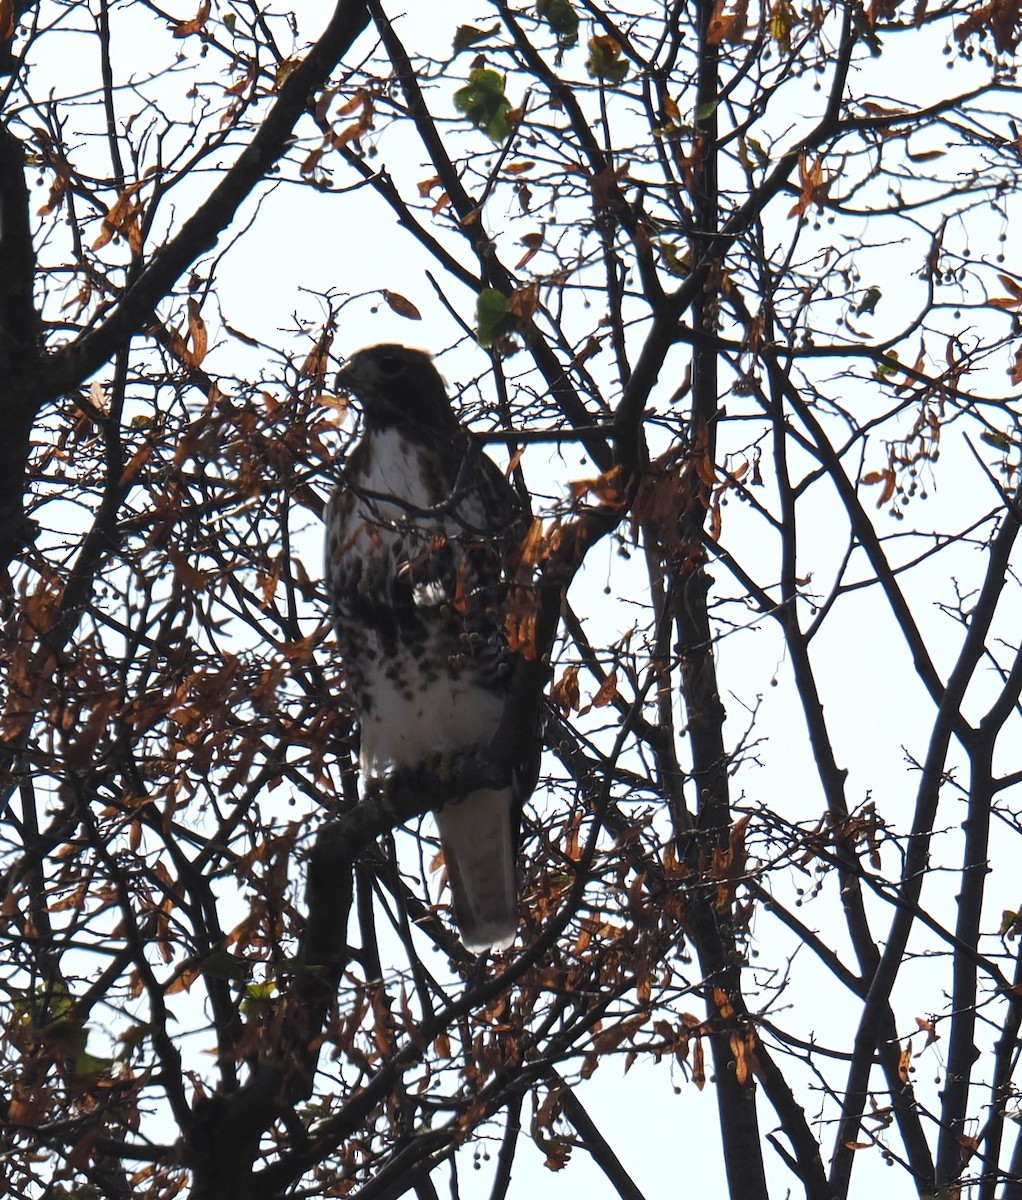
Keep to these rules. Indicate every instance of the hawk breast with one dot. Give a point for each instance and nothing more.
(416, 579)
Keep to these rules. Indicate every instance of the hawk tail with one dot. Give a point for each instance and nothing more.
(480, 850)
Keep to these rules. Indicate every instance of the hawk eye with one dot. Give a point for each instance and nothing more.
(390, 364)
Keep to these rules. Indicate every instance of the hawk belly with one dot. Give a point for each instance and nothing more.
(416, 713)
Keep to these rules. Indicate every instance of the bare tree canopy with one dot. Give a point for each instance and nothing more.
(729, 292)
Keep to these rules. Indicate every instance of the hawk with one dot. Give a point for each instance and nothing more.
(419, 534)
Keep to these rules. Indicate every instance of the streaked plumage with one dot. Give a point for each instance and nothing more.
(419, 534)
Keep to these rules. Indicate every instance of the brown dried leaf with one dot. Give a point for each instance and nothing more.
(245, 82)
(383, 1025)
(192, 578)
(930, 1029)
(815, 188)
(403, 307)
(135, 465)
(358, 100)
(182, 982)
(905, 1064)
(185, 29)
(59, 186)
(520, 625)
(607, 693)
(1012, 301)
(738, 1050)
(999, 17)
(533, 547)
(122, 218)
(606, 488)
(524, 301)
(532, 243)
(268, 583)
(592, 347)
(565, 692)
(698, 1065)
(887, 478)
(350, 133)
(969, 1146)
(312, 160)
(197, 332)
(728, 27)
(317, 361)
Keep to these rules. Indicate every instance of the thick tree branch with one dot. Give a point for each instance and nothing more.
(19, 325)
(962, 1049)
(597, 1145)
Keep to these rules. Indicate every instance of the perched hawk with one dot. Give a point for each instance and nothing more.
(419, 532)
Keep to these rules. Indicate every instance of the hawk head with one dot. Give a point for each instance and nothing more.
(397, 386)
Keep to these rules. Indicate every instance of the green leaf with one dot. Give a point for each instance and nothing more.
(257, 998)
(677, 262)
(468, 35)
(782, 20)
(222, 964)
(760, 154)
(231, 21)
(295, 965)
(482, 100)
(605, 59)
(47, 1003)
(131, 1039)
(494, 319)
(998, 440)
(869, 301)
(67, 1034)
(561, 18)
(705, 111)
(89, 1065)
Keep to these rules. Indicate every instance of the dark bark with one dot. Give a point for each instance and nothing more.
(598, 1147)
(962, 1050)
(19, 330)
(224, 1131)
(709, 922)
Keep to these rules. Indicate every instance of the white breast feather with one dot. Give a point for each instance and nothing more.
(445, 714)
(394, 471)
